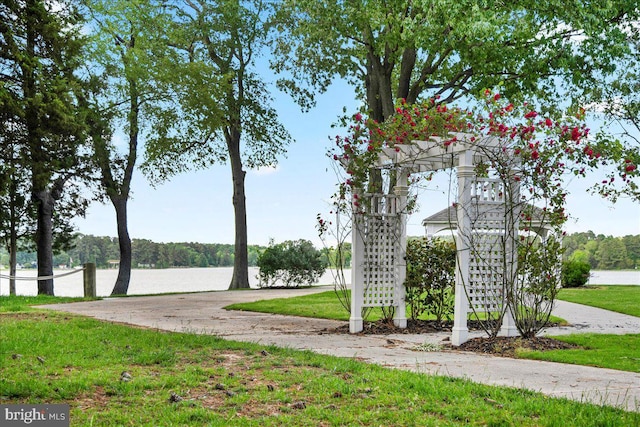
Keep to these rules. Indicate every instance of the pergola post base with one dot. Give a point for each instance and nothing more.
(508, 328)
(400, 323)
(356, 325)
(459, 335)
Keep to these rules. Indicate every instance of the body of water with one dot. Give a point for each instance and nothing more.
(143, 281)
(146, 281)
(615, 277)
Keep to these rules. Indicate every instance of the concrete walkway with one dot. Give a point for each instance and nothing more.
(203, 313)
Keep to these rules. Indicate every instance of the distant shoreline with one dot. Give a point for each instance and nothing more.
(148, 281)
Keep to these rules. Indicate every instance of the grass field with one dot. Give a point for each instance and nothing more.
(621, 352)
(113, 374)
(322, 305)
(621, 299)
(21, 303)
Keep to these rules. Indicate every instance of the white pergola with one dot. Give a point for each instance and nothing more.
(379, 233)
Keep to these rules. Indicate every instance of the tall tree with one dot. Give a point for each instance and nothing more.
(612, 254)
(14, 221)
(617, 93)
(129, 53)
(614, 96)
(41, 50)
(226, 111)
(410, 49)
(15, 217)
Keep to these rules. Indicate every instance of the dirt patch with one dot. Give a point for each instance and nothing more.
(499, 346)
(414, 327)
(509, 346)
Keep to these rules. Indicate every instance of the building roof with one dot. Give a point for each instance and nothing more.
(447, 219)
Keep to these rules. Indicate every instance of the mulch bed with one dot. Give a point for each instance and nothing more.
(508, 346)
(499, 346)
(382, 327)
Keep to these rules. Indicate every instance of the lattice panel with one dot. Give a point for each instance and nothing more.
(382, 253)
(486, 267)
(487, 243)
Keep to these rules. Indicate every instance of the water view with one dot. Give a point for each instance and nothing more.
(143, 281)
(147, 281)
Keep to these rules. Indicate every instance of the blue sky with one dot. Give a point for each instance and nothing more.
(282, 203)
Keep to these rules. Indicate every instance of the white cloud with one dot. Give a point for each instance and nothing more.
(266, 170)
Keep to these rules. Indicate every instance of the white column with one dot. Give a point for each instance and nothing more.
(401, 191)
(508, 328)
(512, 205)
(466, 174)
(357, 273)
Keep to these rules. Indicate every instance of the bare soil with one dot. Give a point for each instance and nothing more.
(499, 346)
(508, 346)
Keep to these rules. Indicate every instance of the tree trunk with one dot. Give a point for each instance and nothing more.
(120, 192)
(124, 242)
(240, 279)
(44, 240)
(12, 266)
(13, 239)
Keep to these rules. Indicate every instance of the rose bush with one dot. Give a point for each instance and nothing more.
(519, 145)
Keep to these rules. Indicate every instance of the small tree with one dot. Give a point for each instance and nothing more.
(291, 263)
(430, 277)
(538, 275)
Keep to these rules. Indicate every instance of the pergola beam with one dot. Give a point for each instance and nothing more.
(435, 153)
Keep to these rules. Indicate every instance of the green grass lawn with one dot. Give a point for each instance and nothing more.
(621, 299)
(620, 352)
(196, 380)
(21, 303)
(323, 305)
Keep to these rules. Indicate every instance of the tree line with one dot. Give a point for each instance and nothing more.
(599, 251)
(103, 251)
(603, 252)
(187, 93)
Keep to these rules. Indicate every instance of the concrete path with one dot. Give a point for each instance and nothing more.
(203, 313)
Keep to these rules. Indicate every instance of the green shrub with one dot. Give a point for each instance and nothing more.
(532, 293)
(430, 277)
(575, 273)
(290, 263)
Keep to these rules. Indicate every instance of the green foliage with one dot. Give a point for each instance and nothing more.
(575, 273)
(338, 257)
(430, 277)
(614, 98)
(603, 252)
(538, 280)
(43, 127)
(413, 50)
(215, 45)
(290, 263)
